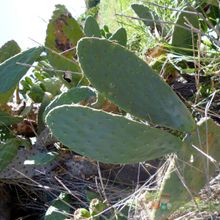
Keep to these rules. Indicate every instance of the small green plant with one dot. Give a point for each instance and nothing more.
(95, 207)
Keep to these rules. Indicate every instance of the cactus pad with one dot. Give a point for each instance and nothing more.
(72, 96)
(108, 138)
(8, 151)
(194, 174)
(182, 38)
(7, 119)
(120, 36)
(147, 16)
(11, 72)
(8, 50)
(144, 13)
(63, 32)
(91, 27)
(130, 83)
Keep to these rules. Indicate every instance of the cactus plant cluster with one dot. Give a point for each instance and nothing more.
(152, 120)
(131, 84)
(92, 29)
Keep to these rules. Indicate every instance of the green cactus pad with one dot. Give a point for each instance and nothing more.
(24, 159)
(59, 208)
(63, 32)
(108, 138)
(148, 16)
(36, 93)
(182, 38)
(51, 85)
(120, 36)
(72, 96)
(8, 50)
(40, 116)
(130, 83)
(91, 27)
(193, 174)
(4, 97)
(8, 151)
(7, 119)
(11, 72)
(96, 206)
(60, 62)
(144, 12)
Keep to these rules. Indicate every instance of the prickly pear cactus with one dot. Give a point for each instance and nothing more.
(63, 32)
(108, 138)
(120, 37)
(183, 37)
(81, 214)
(148, 17)
(11, 72)
(8, 151)
(19, 159)
(131, 84)
(8, 50)
(7, 119)
(91, 3)
(91, 27)
(60, 208)
(72, 96)
(191, 170)
(144, 13)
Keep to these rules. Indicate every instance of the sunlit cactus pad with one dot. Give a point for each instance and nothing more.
(108, 138)
(130, 83)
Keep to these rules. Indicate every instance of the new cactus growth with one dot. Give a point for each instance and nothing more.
(8, 50)
(81, 214)
(96, 206)
(120, 37)
(91, 27)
